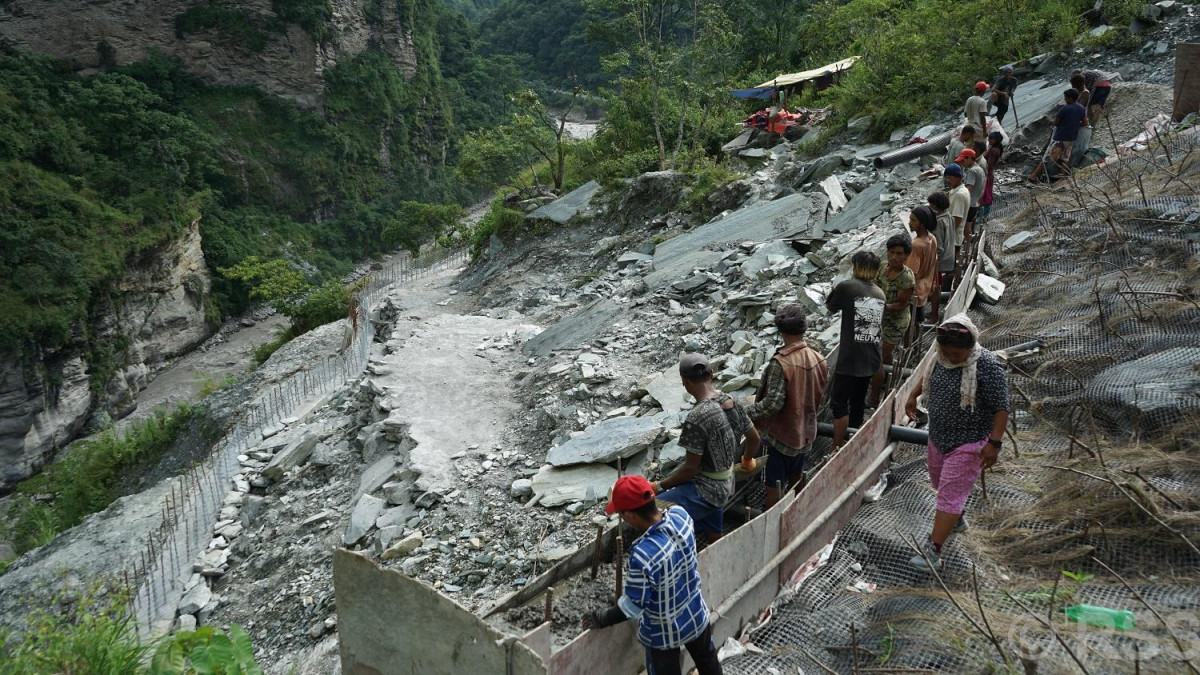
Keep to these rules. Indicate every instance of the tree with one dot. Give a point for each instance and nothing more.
(274, 282)
(416, 223)
(544, 132)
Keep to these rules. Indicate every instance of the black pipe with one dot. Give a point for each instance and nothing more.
(895, 433)
(932, 146)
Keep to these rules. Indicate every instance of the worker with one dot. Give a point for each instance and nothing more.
(967, 397)
(859, 351)
(960, 206)
(785, 408)
(976, 107)
(1003, 92)
(1066, 129)
(975, 180)
(945, 236)
(662, 583)
(710, 436)
(897, 282)
(923, 261)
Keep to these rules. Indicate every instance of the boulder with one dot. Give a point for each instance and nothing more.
(403, 547)
(667, 389)
(755, 265)
(376, 475)
(1018, 239)
(195, 599)
(521, 488)
(554, 486)
(989, 288)
(607, 441)
(1151, 393)
(816, 170)
(291, 456)
(634, 259)
(363, 518)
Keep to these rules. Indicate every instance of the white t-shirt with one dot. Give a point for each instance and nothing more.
(960, 203)
(975, 106)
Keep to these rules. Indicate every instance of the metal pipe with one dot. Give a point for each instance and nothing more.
(930, 147)
(896, 433)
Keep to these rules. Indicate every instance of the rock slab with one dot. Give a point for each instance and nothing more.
(607, 441)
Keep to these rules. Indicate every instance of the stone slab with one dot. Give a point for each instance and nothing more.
(554, 486)
(563, 209)
(607, 441)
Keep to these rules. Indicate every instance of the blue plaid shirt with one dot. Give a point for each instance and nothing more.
(662, 583)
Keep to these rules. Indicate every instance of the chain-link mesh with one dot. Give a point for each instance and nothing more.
(1103, 419)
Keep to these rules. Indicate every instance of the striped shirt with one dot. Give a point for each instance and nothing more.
(662, 583)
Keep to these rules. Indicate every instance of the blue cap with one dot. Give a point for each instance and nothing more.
(953, 170)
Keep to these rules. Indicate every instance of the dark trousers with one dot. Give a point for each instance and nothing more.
(702, 649)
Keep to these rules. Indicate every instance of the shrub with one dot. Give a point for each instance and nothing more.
(206, 651)
(94, 635)
(91, 474)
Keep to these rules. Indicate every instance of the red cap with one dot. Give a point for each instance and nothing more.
(967, 152)
(629, 493)
(980, 86)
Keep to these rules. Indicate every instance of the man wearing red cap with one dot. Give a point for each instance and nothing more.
(975, 178)
(662, 583)
(976, 108)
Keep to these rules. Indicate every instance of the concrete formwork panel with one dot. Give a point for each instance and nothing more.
(390, 624)
(608, 650)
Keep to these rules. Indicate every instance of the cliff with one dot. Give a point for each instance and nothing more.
(154, 312)
(242, 42)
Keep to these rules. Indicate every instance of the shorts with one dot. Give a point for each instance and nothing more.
(895, 325)
(708, 518)
(1066, 151)
(1100, 95)
(781, 468)
(954, 473)
(848, 393)
(971, 213)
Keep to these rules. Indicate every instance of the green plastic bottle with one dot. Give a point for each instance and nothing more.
(1101, 617)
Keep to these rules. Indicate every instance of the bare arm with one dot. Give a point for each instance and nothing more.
(751, 444)
(901, 302)
(990, 452)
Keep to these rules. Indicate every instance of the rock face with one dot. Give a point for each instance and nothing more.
(1151, 393)
(158, 312)
(285, 61)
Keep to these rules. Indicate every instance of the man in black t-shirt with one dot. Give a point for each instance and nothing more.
(859, 349)
(1003, 91)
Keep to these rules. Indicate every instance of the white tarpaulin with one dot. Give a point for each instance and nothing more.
(794, 78)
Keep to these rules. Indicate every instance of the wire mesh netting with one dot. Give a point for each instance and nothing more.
(1106, 469)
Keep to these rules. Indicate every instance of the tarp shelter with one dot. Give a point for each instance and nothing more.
(757, 92)
(796, 78)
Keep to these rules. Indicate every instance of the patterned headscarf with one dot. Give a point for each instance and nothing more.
(970, 378)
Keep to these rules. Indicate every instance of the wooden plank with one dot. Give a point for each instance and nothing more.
(563, 569)
(1187, 80)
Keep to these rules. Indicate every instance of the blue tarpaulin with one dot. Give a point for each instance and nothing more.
(757, 92)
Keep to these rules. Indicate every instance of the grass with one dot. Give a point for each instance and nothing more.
(92, 633)
(90, 476)
(210, 385)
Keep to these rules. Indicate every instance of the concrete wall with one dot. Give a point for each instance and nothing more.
(390, 624)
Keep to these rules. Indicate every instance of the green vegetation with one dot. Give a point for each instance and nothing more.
(89, 477)
(93, 633)
(206, 651)
(232, 24)
(311, 15)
